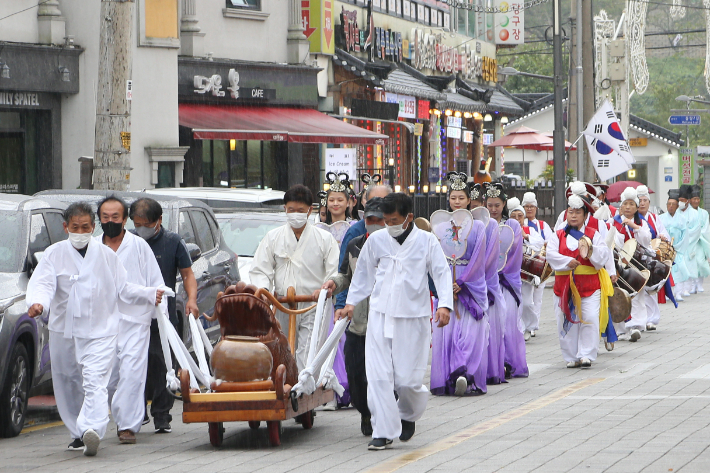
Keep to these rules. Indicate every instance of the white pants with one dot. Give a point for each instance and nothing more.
(639, 315)
(582, 339)
(304, 329)
(396, 364)
(81, 368)
(532, 305)
(653, 311)
(697, 284)
(127, 384)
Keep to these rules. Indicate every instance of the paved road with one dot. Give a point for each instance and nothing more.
(643, 407)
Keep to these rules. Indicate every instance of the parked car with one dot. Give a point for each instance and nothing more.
(214, 264)
(222, 198)
(29, 225)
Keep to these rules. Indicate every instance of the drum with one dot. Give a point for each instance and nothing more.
(631, 279)
(585, 247)
(664, 249)
(535, 270)
(422, 224)
(619, 305)
(643, 258)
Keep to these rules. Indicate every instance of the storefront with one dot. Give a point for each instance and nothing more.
(255, 124)
(32, 79)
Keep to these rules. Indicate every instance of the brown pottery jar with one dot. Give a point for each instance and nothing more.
(240, 359)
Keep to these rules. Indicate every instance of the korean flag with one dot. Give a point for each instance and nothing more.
(608, 148)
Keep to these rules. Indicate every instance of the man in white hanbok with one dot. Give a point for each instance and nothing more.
(296, 254)
(703, 248)
(392, 270)
(674, 222)
(539, 234)
(80, 282)
(693, 230)
(130, 364)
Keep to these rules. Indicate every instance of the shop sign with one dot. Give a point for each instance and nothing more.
(667, 170)
(213, 86)
(339, 160)
(686, 158)
(19, 99)
(10, 188)
(453, 122)
(418, 129)
(423, 109)
(428, 52)
(510, 22)
(317, 21)
(126, 140)
(638, 142)
(452, 132)
(433, 175)
(407, 104)
(467, 136)
(487, 139)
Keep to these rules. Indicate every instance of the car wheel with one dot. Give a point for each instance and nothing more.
(13, 399)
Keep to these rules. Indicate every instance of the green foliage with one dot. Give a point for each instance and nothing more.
(549, 174)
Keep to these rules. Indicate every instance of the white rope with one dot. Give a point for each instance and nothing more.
(199, 347)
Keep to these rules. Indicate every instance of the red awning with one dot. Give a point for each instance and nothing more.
(296, 125)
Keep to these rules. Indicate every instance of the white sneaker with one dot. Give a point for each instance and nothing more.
(574, 364)
(635, 335)
(586, 363)
(693, 291)
(461, 385)
(623, 336)
(650, 327)
(532, 333)
(678, 298)
(686, 294)
(700, 289)
(331, 406)
(91, 442)
(527, 335)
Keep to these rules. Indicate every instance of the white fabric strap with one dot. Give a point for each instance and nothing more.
(199, 346)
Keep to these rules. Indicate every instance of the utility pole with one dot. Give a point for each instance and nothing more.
(112, 142)
(558, 134)
(587, 79)
(575, 94)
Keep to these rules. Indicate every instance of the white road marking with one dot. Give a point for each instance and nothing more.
(699, 373)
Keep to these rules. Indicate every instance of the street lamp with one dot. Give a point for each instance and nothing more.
(390, 162)
(511, 71)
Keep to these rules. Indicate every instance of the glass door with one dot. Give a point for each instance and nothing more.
(11, 163)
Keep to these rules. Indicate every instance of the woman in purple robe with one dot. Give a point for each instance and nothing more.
(459, 360)
(496, 307)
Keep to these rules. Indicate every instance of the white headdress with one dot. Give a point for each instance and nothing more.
(630, 194)
(514, 204)
(642, 191)
(529, 198)
(578, 188)
(575, 202)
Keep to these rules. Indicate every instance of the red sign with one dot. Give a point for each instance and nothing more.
(306, 18)
(423, 109)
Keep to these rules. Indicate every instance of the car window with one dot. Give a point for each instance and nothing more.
(185, 228)
(243, 236)
(55, 226)
(216, 233)
(11, 247)
(204, 233)
(39, 236)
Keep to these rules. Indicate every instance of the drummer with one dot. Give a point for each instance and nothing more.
(658, 230)
(580, 302)
(539, 234)
(630, 225)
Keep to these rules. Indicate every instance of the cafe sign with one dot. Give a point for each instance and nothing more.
(213, 86)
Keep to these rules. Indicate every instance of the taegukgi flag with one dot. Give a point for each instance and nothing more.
(608, 148)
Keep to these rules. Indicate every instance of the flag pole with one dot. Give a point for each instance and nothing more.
(558, 137)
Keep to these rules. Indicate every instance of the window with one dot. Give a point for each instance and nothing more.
(204, 233)
(185, 229)
(250, 4)
(517, 168)
(54, 224)
(39, 236)
(216, 233)
(166, 174)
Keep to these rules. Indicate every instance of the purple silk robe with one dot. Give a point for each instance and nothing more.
(511, 286)
(461, 347)
(496, 307)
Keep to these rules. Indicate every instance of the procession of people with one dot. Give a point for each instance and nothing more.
(465, 285)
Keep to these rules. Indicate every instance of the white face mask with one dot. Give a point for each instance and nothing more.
(397, 230)
(296, 219)
(79, 240)
(682, 205)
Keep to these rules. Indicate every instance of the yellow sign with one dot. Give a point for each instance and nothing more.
(317, 20)
(126, 140)
(418, 129)
(638, 142)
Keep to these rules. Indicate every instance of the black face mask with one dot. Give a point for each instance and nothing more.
(112, 229)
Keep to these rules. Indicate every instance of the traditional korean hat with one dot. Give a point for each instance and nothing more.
(323, 196)
(629, 194)
(495, 189)
(338, 182)
(696, 191)
(477, 192)
(642, 191)
(457, 181)
(673, 194)
(513, 205)
(686, 191)
(529, 198)
(580, 188)
(575, 201)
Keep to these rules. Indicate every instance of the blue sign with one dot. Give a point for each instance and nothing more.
(669, 179)
(684, 119)
(433, 175)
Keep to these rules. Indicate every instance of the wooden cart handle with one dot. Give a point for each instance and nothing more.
(291, 299)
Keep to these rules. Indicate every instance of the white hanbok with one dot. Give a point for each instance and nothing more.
(532, 295)
(130, 364)
(639, 313)
(82, 295)
(581, 340)
(703, 251)
(394, 276)
(282, 261)
(652, 309)
(603, 231)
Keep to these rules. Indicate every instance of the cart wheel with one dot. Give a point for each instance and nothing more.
(307, 420)
(216, 430)
(254, 424)
(274, 427)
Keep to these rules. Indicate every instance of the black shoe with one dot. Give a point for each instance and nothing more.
(162, 427)
(379, 444)
(146, 418)
(365, 426)
(76, 445)
(407, 430)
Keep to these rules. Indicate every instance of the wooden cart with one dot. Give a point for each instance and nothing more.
(273, 406)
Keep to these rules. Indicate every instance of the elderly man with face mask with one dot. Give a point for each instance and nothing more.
(297, 255)
(83, 285)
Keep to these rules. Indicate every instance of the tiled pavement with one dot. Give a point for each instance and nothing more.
(644, 407)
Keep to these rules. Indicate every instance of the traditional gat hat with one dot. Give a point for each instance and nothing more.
(686, 191)
(696, 191)
(580, 188)
(673, 194)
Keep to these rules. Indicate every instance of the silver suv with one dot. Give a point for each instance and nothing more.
(28, 226)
